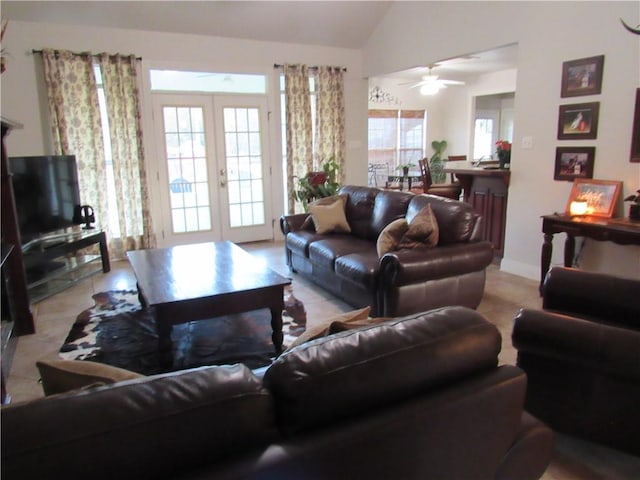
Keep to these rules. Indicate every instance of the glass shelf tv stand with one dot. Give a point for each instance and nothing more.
(58, 261)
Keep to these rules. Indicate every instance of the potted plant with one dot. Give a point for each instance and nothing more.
(318, 184)
(405, 168)
(436, 162)
(503, 150)
(634, 208)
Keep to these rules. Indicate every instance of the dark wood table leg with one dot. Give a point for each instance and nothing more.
(569, 250)
(104, 253)
(165, 345)
(276, 327)
(545, 257)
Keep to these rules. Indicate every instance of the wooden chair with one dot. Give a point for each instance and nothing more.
(448, 190)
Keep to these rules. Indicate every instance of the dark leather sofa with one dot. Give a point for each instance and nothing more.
(415, 397)
(401, 282)
(581, 354)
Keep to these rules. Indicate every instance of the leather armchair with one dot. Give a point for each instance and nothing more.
(581, 354)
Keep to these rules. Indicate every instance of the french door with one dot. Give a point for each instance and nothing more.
(214, 169)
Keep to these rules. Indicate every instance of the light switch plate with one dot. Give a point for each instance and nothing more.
(527, 142)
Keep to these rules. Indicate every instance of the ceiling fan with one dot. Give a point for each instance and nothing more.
(431, 84)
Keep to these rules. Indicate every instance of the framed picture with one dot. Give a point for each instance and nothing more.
(601, 195)
(582, 77)
(574, 162)
(578, 121)
(635, 132)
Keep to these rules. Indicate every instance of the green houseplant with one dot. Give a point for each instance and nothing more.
(317, 184)
(405, 168)
(436, 162)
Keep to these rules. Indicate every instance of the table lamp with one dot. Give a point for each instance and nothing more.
(578, 207)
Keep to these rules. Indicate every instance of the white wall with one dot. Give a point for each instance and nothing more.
(547, 34)
(24, 98)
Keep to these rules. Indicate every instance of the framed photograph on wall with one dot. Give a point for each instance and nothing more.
(578, 121)
(574, 162)
(635, 131)
(582, 77)
(601, 195)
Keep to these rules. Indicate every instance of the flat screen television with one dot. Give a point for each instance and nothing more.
(46, 194)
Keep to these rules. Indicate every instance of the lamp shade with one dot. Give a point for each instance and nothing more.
(578, 207)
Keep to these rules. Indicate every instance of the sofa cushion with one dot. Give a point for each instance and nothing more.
(359, 209)
(389, 205)
(391, 235)
(300, 240)
(361, 268)
(333, 378)
(422, 231)
(329, 216)
(321, 329)
(324, 252)
(60, 376)
(456, 220)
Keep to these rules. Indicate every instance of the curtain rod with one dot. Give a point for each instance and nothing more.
(76, 53)
(275, 65)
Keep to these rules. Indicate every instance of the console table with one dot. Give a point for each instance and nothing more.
(618, 230)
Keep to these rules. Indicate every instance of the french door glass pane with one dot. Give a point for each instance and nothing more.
(185, 146)
(243, 157)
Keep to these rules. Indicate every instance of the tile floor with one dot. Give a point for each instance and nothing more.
(504, 295)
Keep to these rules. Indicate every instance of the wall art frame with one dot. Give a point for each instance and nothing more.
(574, 162)
(601, 196)
(578, 121)
(582, 77)
(635, 132)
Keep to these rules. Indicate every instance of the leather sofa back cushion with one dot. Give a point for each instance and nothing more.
(333, 378)
(212, 412)
(359, 209)
(456, 220)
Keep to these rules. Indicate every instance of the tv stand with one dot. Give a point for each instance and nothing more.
(55, 262)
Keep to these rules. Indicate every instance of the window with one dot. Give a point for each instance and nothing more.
(174, 80)
(112, 199)
(396, 137)
(483, 139)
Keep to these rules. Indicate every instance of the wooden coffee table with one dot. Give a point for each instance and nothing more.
(205, 280)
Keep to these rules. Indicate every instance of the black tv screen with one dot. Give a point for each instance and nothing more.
(46, 193)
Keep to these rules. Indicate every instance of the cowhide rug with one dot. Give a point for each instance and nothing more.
(118, 332)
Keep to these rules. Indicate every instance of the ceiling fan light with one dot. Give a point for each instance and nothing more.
(429, 89)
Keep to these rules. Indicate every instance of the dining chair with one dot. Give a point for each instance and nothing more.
(448, 190)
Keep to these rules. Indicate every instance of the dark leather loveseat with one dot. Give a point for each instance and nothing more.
(418, 397)
(403, 281)
(582, 356)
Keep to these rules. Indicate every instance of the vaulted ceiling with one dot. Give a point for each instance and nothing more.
(346, 24)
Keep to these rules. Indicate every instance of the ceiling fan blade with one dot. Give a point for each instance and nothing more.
(451, 82)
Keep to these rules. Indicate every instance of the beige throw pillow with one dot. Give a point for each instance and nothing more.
(323, 328)
(308, 222)
(391, 235)
(423, 230)
(330, 217)
(59, 376)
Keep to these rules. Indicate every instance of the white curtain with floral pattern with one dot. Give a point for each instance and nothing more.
(330, 137)
(299, 132)
(76, 128)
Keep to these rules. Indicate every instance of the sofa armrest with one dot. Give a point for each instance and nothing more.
(292, 223)
(608, 349)
(404, 267)
(597, 296)
(531, 452)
